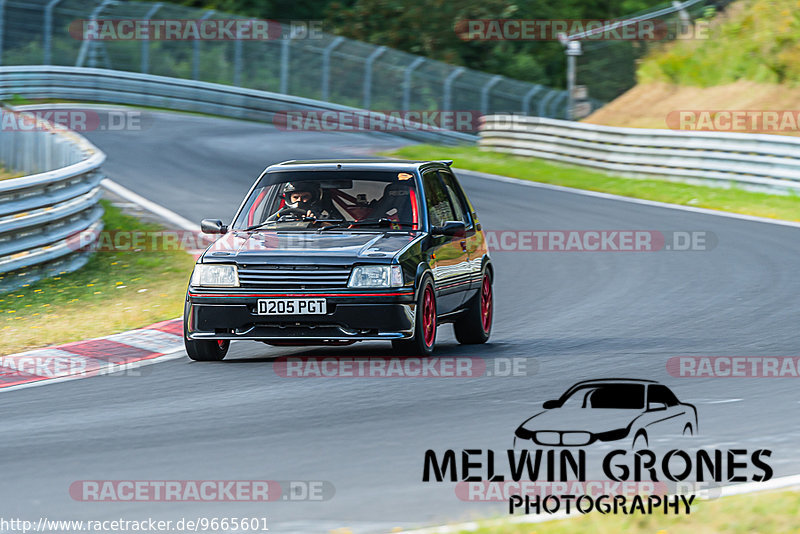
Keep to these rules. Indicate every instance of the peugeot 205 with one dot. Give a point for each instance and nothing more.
(334, 252)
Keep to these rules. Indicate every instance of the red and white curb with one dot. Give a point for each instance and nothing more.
(83, 359)
(118, 352)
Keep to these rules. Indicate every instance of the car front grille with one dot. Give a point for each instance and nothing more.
(576, 438)
(563, 438)
(548, 438)
(294, 276)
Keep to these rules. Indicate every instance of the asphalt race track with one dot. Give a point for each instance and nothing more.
(569, 315)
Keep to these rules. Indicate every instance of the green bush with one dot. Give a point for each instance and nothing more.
(757, 40)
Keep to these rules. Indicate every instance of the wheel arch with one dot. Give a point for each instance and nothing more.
(488, 266)
(423, 270)
(641, 432)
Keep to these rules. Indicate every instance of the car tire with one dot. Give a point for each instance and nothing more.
(475, 324)
(425, 323)
(203, 350)
(688, 430)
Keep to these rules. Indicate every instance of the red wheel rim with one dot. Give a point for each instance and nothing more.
(486, 304)
(428, 316)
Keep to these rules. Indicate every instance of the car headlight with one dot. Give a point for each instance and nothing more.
(211, 275)
(376, 276)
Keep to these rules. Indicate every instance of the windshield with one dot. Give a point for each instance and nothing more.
(614, 396)
(340, 200)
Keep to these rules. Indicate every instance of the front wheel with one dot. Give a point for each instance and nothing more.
(203, 350)
(424, 326)
(475, 324)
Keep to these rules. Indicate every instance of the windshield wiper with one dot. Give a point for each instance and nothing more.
(304, 219)
(257, 226)
(382, 222)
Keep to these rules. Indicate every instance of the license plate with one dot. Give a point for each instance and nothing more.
(291, 307)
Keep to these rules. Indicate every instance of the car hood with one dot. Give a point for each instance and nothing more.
(277, 246)
(581, 419)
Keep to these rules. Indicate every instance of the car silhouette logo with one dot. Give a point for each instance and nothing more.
(609, 409)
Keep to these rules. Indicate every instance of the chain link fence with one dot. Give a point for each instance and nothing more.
(318, 66)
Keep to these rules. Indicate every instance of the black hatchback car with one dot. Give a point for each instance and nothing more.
(334, 252)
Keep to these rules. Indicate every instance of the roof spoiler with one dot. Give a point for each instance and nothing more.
(448, 162)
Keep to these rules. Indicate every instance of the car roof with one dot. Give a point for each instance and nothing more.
(402, 165)
(614, 381)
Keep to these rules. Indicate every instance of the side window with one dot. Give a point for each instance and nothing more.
(460, 209)
(256, 210)
(662, 394)
(439, 208)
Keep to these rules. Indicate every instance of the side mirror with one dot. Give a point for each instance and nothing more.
(212, 226)
(656, 406)
(549, 405)
(450, 229)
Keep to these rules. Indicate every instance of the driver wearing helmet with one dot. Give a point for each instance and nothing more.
(302, 199)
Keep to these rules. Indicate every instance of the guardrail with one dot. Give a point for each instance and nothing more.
(756, 161)
(47, 215)
(131, 88)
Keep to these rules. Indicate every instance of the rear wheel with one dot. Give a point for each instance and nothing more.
(424, 326)
(203, 350)
(475, 324)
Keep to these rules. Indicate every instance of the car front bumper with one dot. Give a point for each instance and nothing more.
(352, 316)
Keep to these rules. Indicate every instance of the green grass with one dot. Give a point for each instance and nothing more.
(114, 292)
(733, 199)
(764, 513)
(5, 175)
(17, 100)
(757, 40)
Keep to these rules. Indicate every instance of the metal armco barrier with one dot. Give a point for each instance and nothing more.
(131, 88)
(47, 214)
(759, 161)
